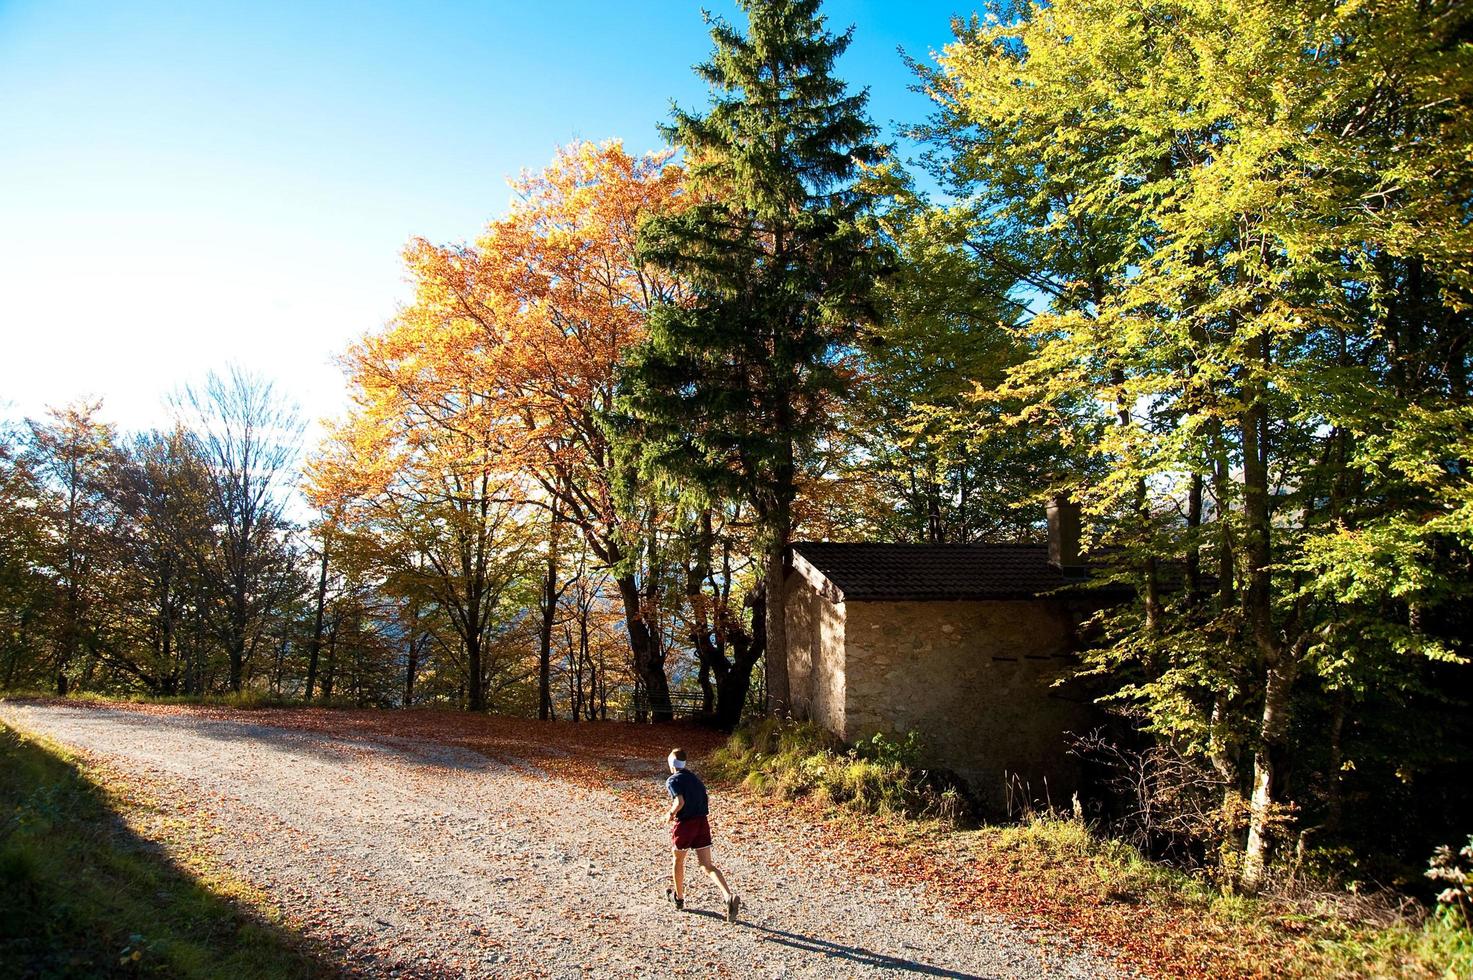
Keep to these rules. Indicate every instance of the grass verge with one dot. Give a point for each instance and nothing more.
(1309, 934)
(801, 759)
(1059, 873)
(244, 700)
(82, 895)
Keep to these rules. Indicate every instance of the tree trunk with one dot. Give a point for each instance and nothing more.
(733, 685)
(316, 645)
(544, 636)
(935, 529)
(193, 679)
(166, 633)
(237, 662)
(731, 696)
(644, 643)
(603, 689)
(588, 686)
(714, 631)
(476, 699)
(575, 677)
(332, 656)
(1224, 757)
(14, 659)
(279, 667)
(708, 692)
(1222, 490)
(1334, 792)
(69, 640)
(1194, 552)
(1280, 664)
(775, 591)
(1268, 766)
(411, 666)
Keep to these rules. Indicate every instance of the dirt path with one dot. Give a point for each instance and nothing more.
(412, 856)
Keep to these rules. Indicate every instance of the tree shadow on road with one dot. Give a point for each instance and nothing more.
(330, 747)
(853, 954)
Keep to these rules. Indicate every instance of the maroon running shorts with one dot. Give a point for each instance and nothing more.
(692, 833)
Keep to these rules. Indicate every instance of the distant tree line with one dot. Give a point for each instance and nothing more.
(160, 561)
(179, 563)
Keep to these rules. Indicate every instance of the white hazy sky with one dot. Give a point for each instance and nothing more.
(185, 186)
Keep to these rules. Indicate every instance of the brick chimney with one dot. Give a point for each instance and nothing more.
(1063, 533)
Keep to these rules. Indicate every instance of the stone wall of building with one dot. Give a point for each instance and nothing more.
(815, 655)
(974, 679)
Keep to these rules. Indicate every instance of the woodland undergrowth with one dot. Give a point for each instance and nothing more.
(1059, 865)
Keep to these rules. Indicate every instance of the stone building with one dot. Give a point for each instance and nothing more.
(960, 643)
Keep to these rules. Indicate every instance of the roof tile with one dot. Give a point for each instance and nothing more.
(915, 572)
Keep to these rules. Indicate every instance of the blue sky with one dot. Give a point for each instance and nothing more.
(184, 186)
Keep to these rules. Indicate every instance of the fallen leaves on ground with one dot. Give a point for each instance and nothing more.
(593, 754)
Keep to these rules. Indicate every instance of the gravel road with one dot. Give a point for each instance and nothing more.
(408, 856)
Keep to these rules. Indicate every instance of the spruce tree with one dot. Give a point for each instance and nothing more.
(733, 389)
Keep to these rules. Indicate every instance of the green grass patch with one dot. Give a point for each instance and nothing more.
(81, 895)
(883, 775)
(1102, 866)
(244, 699)
(1308, 935)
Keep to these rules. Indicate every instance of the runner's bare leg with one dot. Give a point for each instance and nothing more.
(703, 855)
(677, 872)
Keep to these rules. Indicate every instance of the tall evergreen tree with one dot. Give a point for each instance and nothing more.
(732, 390)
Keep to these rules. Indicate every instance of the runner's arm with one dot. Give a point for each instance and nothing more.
(675, 806)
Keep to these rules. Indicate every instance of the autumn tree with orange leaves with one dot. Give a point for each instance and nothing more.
(417, 468)
(571, 296)
(508, 357)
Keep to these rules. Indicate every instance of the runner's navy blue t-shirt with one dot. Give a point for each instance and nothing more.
(687, 784)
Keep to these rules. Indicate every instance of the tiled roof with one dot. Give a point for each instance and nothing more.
(901, 572)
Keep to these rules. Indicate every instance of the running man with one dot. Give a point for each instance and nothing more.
(690, 829)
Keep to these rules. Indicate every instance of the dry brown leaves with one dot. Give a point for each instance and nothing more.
(590, 754)
(1049, 902)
